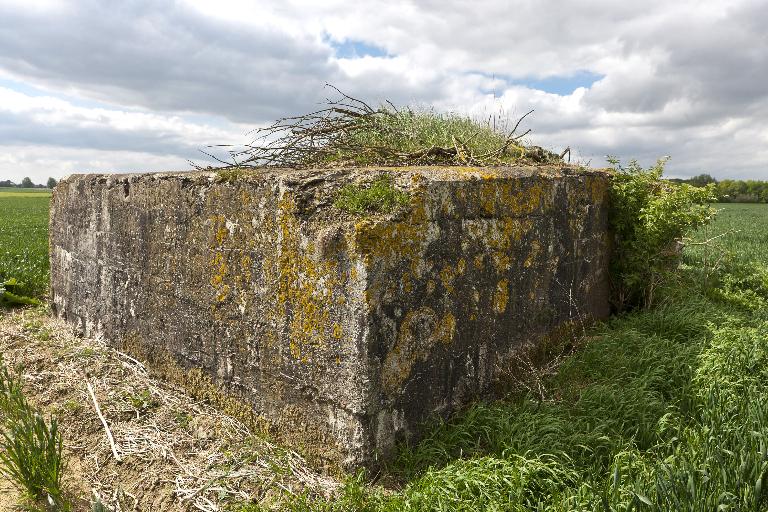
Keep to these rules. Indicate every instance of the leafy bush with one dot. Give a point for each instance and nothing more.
(30, 447)
(649, 217)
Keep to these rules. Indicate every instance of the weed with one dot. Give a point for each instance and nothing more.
(87, 352)
(182, 418)
(142, 401)
(37, 329)
(73, 406)
(649, 217)
(350, 132)
(30, 446)
(98, 506)
(230, 174)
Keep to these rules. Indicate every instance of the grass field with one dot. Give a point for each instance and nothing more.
(665, 409)
(24, 239)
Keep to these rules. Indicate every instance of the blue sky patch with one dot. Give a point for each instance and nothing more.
(34, 92)
(350, 49)
(22, 88)
(562, 85)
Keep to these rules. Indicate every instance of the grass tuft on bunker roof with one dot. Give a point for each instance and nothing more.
(349, 132)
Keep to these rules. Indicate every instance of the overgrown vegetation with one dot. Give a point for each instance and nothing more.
(30, 447)
(349, 132)
(380, 195)
(648, 218)
(663, 409)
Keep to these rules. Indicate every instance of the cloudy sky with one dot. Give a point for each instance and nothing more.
(128, 85)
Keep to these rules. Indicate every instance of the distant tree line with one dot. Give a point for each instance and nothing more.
(27, 183)
(732, 191)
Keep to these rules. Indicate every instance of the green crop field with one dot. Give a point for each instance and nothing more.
(24, 239)
(744, 230)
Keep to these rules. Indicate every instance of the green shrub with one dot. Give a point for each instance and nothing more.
(649, 217)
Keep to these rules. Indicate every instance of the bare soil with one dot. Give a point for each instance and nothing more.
(9, 496)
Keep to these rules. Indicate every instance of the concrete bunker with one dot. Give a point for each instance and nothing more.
(343, 332)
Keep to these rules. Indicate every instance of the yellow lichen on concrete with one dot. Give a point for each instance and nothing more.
(394, 245)
(219, 266)
(304, 288)
(406, 282)
(501, 296)
(499, 237)
(221, 234)
(382, 239)
(530, 199)
(230, 274)
(446, 329)
(447, 275)
(505, 197)
(420, 331)
(218, 263)
(530, 260)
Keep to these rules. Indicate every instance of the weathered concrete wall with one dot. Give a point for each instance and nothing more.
(345, 332)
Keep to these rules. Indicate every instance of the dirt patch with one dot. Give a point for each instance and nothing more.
(175, 453)
(9, 496)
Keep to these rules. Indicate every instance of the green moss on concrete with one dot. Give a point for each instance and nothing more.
(379, 196)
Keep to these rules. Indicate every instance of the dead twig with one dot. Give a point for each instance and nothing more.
(103, 421)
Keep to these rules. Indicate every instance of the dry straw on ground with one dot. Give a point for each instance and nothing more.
(174, 453)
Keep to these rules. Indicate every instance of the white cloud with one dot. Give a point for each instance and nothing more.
(163, 78)
(43, 136)
(52, 112)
